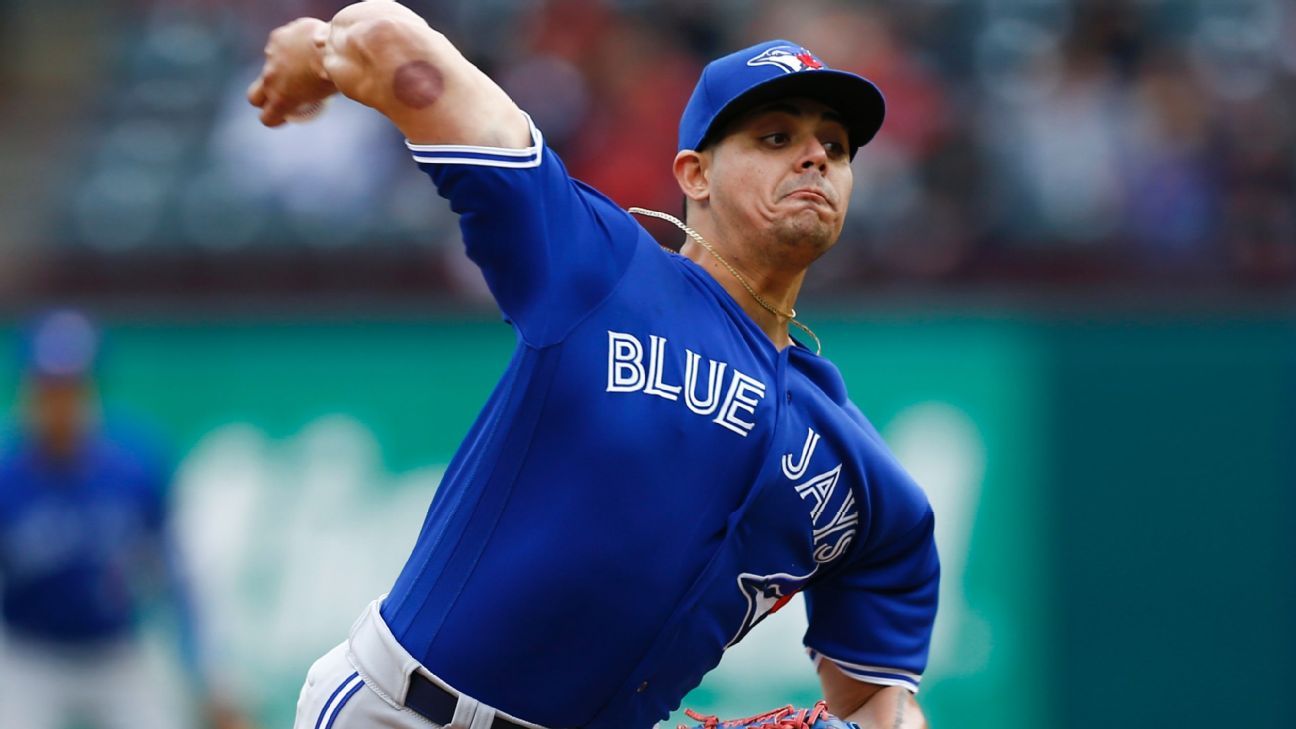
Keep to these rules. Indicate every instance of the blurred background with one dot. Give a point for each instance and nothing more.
(1064, 295)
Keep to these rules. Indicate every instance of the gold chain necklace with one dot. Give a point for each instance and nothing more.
(790, 316)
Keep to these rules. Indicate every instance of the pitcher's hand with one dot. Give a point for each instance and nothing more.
(293, 77)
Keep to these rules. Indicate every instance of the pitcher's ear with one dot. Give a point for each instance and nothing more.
(692, 172)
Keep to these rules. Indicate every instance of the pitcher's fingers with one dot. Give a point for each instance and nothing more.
(272, 115)
(256, 92)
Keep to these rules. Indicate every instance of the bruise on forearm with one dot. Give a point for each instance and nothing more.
(389, 59)
(417, 84)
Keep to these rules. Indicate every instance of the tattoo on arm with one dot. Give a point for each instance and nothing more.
(900, 711)
(417, 84)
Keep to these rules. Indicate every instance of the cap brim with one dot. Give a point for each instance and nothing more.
(860, 103)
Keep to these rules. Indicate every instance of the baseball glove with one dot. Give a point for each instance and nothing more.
(816, 717)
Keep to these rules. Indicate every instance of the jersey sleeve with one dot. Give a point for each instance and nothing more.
(873, 616)
(551, 248)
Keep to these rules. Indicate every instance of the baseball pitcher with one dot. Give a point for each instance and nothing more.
(662, 465)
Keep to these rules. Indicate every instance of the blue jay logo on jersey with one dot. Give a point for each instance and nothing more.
(766, 594)
(787, 58)
(833, 520)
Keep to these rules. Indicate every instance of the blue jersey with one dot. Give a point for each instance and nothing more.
(73, 536)
(650, 478)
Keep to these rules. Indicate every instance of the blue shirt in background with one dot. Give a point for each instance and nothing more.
(77, 537)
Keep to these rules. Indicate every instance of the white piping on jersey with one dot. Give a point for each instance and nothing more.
(512, 158)
(868, 673)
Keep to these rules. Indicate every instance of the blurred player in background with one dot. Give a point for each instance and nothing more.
(84, 544)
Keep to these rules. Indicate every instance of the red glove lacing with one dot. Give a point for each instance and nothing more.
(784, 718)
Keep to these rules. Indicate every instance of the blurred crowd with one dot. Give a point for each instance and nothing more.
(1090, 143)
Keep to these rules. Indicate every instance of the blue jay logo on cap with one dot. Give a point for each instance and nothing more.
(788, 58)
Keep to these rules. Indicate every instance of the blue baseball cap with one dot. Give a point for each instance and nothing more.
(773, 70)
(61, 344)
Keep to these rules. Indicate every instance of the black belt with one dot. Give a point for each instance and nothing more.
(437, 705)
